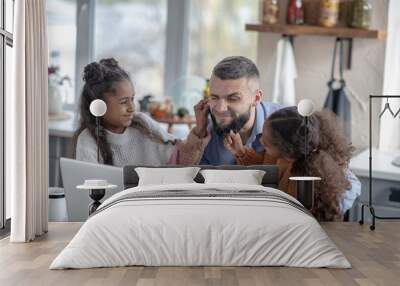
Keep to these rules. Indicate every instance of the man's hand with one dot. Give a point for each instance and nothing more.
(233, 143)
(201, 111)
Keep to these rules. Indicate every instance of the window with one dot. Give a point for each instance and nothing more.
(133, 32)
(61, 29)
(6, 43)
(217, 31)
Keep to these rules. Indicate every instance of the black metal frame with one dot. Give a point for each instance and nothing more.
(369, 205)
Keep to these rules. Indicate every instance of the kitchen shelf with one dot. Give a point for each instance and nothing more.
(297, 30)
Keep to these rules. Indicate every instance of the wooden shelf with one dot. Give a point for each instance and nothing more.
(295, 30)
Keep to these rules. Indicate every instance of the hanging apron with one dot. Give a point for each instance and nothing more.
(337, 100)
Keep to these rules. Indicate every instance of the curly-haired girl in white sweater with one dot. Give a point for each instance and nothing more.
(126, 137)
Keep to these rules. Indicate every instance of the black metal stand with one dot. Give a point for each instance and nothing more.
(96, 195)
(305, 193)
(369, 205)
(97, 139)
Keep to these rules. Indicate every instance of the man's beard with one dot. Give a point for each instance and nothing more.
(237, 123)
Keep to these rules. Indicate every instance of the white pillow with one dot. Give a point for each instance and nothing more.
(249, 177)
(164, 176)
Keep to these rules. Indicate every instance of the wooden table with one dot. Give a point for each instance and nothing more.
(374, 255)
(171, 121)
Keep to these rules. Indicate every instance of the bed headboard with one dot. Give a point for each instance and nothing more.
(270, 179)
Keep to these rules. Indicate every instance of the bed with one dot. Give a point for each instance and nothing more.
(201, 224)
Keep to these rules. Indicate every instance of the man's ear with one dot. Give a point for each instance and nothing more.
(258, 97)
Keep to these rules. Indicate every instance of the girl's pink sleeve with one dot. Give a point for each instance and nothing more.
(173, 160)
(190, 151)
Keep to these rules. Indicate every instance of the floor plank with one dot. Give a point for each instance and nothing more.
(374, 255)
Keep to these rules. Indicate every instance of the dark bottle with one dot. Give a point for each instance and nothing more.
(295, 13)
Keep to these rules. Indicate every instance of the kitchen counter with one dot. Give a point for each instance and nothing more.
(382, 166)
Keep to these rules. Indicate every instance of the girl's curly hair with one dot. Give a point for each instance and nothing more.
(328, 154)
(100, 78)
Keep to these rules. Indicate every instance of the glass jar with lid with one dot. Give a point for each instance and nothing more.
(271, 11)
(329, 13)
(362, 13)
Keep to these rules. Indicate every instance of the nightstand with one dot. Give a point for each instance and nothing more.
(97, 190)
(306, 190)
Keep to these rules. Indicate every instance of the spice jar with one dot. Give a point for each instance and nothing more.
(329, 13)
(362, 12)
(271, 11)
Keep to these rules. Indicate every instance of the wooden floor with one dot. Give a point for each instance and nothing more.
(374, 255)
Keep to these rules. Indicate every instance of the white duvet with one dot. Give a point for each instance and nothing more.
(183, 231)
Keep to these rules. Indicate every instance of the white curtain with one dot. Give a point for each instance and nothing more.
(26, 124)
(390, 127)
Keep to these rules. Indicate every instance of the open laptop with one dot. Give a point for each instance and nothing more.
(74, 173)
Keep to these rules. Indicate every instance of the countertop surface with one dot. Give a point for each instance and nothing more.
(382, 167)
(65, 126)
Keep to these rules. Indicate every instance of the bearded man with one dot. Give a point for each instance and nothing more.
(235, 105)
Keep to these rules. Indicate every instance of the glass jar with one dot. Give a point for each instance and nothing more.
(271, 11)
(362, 12)
(295, 12)
(329, 13)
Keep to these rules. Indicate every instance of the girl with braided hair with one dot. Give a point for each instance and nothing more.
(126, 137)
(328, 155)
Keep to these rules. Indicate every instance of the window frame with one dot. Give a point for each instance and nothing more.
(84, 52)
(177, 41)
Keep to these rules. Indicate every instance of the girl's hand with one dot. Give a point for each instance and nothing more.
(201, 111)
(233, 143)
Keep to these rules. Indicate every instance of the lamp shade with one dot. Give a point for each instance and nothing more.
(98, 107)
(306, 107)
